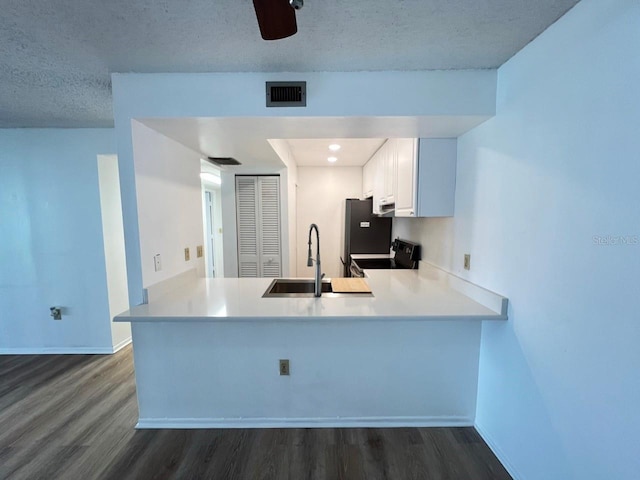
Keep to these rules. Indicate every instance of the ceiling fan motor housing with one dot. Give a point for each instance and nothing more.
(276, 18)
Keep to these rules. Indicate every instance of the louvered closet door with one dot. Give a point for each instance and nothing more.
(258, 222)
(247, 218)
(269, 226)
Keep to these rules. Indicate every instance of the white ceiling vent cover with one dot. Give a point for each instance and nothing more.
(286, 94)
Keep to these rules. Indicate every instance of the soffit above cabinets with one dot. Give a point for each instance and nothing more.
(246, 138)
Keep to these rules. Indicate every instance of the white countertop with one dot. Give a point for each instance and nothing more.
(397, 294)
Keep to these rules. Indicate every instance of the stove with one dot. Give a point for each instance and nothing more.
(406, 257)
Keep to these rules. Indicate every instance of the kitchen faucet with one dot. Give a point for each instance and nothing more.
(318, 279)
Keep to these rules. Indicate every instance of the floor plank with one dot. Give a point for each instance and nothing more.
(73, 417)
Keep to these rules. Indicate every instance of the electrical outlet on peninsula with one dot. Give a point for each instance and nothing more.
(284, 366)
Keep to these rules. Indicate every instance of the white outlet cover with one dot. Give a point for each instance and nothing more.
(157, 263)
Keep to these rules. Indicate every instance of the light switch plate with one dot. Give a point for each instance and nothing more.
(199, 251)
(187, 255)
(157, 263)
(467, 261)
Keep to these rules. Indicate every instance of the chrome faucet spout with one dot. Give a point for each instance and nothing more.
(310, 260)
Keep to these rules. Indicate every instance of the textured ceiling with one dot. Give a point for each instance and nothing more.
(56, 56)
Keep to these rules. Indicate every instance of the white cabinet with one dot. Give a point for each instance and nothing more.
(378, 181)
(378, 176)
(374, 179)
(368, 179)
(406, 177)
(426, 177)
(389, 156)
(417, 175)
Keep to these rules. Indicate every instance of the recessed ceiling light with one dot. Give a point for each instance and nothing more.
(334, 147)
(332, 159)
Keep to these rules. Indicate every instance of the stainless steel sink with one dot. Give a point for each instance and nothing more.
(304, 287)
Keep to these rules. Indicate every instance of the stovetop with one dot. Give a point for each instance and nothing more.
(378, 263)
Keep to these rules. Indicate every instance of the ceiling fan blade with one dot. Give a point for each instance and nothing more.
(276, 19)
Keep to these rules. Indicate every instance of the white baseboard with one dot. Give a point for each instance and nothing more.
(121, 345)
(65, 350)
(497, 451)
(57, 351)
(329, 422)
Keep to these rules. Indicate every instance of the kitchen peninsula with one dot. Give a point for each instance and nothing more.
(207, 353)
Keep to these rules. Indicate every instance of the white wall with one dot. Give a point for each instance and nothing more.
(321, 200)
(435, 236)
(51, 247)
(114, 253)
(169, 204)
(547, 205)
(283, 150)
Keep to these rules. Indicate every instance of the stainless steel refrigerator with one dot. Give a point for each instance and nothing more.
(363, 231)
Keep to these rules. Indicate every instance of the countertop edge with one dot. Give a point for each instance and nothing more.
(336, 318)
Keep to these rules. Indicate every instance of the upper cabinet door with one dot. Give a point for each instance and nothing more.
(389, 156)
(368, 176)
(377, 162)
(406, 177)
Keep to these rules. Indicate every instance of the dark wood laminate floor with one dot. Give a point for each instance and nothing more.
(73, 417)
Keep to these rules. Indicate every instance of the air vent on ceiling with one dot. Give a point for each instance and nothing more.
(286, 94)
(224, 161)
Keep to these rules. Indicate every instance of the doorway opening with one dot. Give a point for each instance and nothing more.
(114, 248)
(212, 222)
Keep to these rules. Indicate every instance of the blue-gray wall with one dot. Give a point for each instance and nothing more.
(548, 206)
(51, 244)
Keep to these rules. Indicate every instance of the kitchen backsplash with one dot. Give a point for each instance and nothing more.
(435, 235)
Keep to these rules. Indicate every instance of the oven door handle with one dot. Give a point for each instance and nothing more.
(355, 271)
